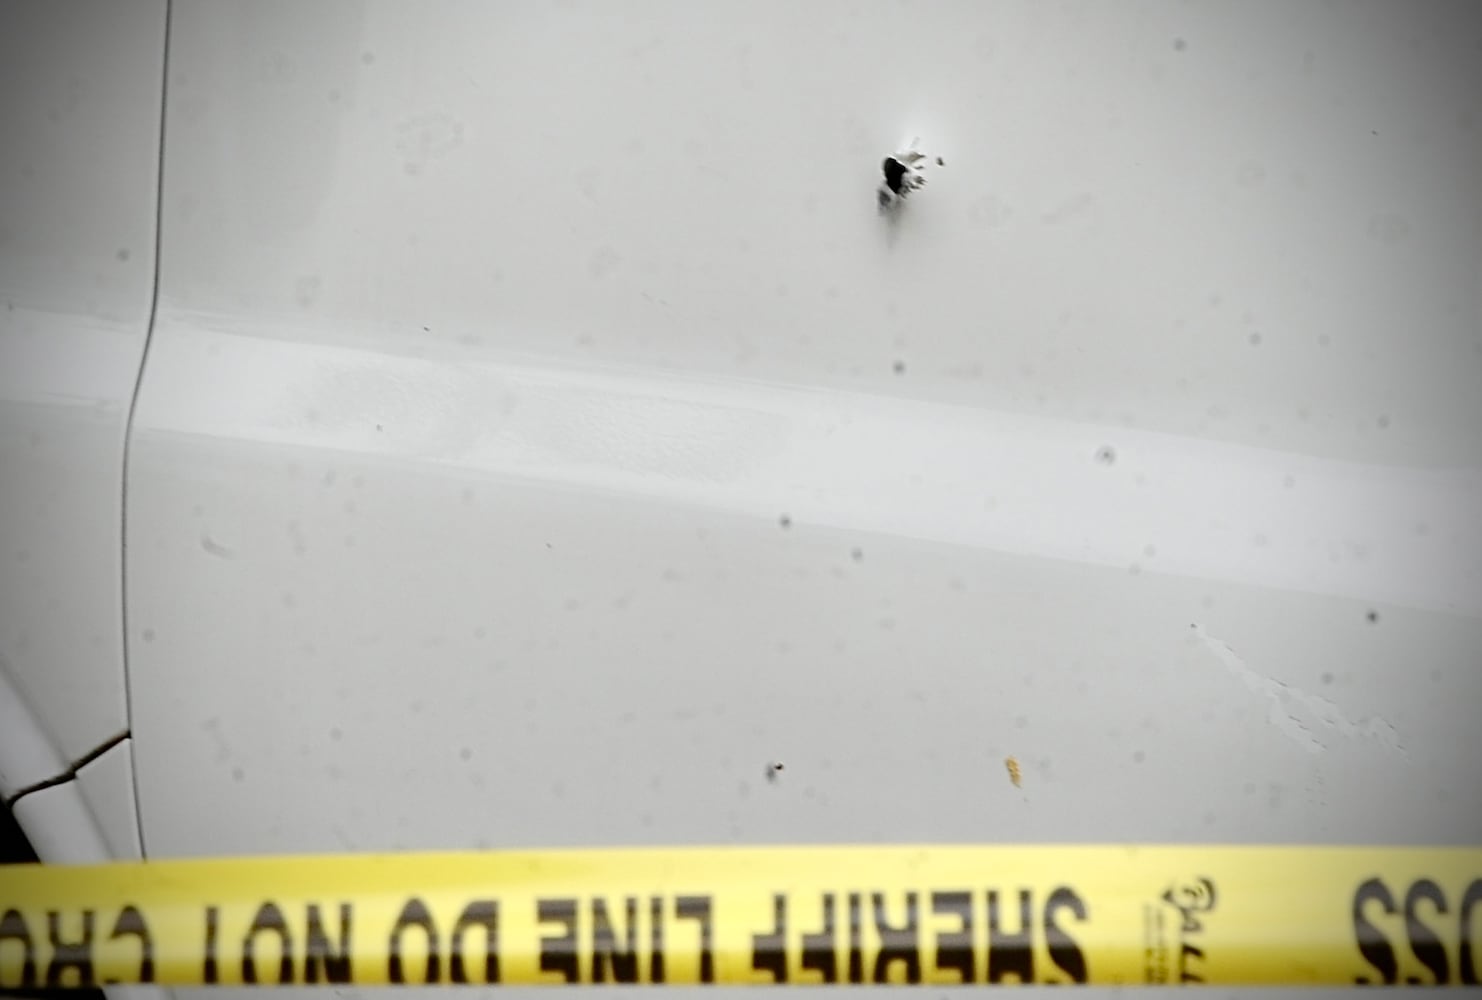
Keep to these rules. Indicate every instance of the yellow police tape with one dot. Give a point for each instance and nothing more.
(909, 914)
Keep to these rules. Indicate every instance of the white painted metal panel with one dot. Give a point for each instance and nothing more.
(543, 432)
(58, 818)
(80, 118)
(107, 785)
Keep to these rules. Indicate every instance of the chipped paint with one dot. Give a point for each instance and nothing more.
(1306, 719)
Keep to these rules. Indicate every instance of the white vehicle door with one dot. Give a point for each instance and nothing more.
(545, 435)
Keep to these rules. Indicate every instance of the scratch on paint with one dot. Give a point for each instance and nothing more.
(1300, 716)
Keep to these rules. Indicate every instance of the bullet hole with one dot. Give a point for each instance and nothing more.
(336, 734)
(378, 426)
(774, 770)
(1179, 45)
(238, 774)
(1372, 616)
(1255, 340)
(122, 255)
(899, 367)
(1327, 677)
(1138, 756)
(1383, 421)
(786, 521)
(1106, 455)
(465, 754)
(856, 554)
(148, 635)
(941, 162)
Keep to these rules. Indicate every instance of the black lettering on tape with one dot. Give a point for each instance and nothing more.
(66, 955)
(698, 908)
(955, 948)
(317, 951)
(1187, 951)
(1372, 943)
(769, 951)
(130, 923)
(819, 954)
(558, 954)
(13, 928)
(898, 943)
(268, 919)
(414, 913)
(1423, 940)
(1011, 953)
(1470, 901)
(1065, 953)
(856, 942)
(605, 950)
(480, 913)
(210, 974)
(656, 939)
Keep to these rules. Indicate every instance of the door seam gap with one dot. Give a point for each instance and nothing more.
(70, 774)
